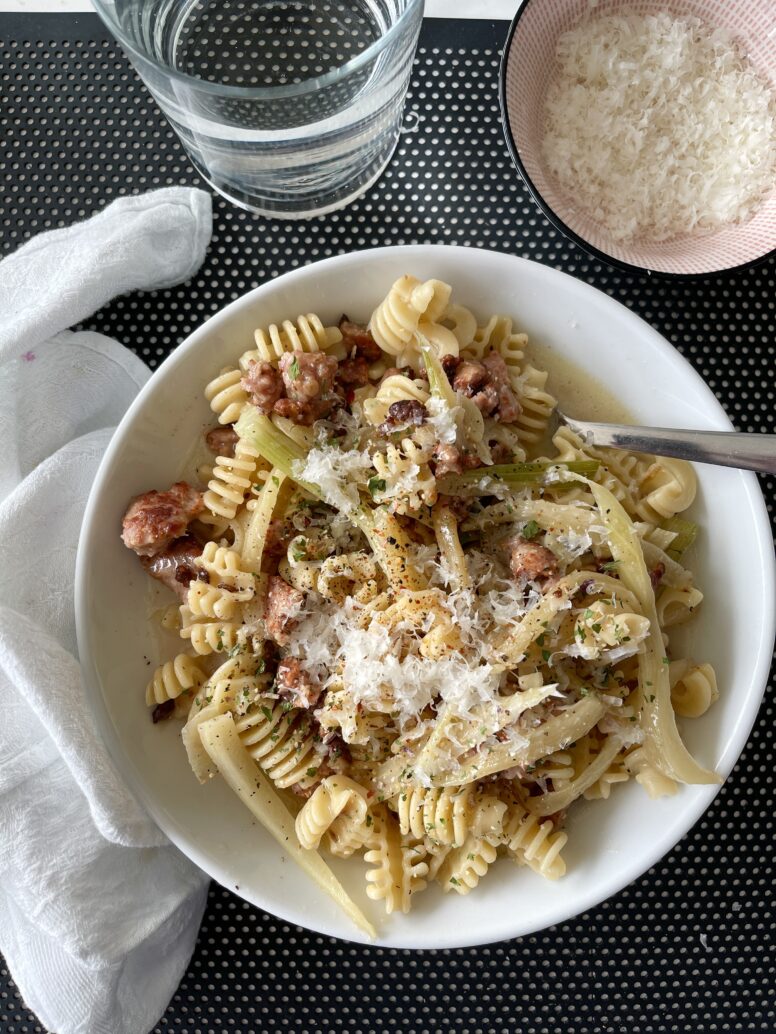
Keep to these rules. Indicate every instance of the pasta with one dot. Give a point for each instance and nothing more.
(281, 742)
(226, 395)
(232, 479)
(395, 388)
(396, 865)
(424, 623)
(464, 866)
(448, 817)
(412, 306)
(337, 809)
(693, 688)
(177, 676)
(307, 334)
(534, 842)
(208, 636)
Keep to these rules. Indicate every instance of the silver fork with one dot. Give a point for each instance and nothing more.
(724, 448)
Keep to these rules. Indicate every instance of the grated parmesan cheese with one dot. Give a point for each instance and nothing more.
(659, 126)
(443, 419)
(337, 472)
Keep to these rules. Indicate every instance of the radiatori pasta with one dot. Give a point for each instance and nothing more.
(413, 611)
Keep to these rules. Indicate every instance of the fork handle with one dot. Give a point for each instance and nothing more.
(724, 448)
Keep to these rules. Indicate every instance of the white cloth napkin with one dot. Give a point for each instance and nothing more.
(98, 912)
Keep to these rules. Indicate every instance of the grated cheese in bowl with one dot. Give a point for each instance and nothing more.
(659, 126)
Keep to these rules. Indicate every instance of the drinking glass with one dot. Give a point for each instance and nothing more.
(290, 108)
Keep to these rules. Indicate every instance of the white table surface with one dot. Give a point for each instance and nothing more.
(495, 9)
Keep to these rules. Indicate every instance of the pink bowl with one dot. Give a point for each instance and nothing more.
(525, 70)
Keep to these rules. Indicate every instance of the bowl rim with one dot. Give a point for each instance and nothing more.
(202, 855)
(105, 9)
(553, 216)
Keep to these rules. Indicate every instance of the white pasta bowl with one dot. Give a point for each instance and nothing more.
(610, 842)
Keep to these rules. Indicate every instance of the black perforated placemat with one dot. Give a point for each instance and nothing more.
(690, 946)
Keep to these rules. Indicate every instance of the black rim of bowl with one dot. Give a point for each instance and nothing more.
(555, 219)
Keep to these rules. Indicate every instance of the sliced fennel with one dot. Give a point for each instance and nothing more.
(663, 744)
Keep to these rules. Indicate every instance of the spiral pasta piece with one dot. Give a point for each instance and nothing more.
(675, 606)
(226, 395)
(693, 688)
(210, 601)
(225, 566)
(534, 842)
(350, 574)
(227, 585)
(497, 335)
(173, 678)
(442, 815)
(602, 627)
(281, 742)
(536, 405)
(408, 483)
(668, 487)
(408, 306)
(337, 577)
(397, 866)
(396, 388)
(461, 323)
(338, 810)
(307, 334)
(463, 867)
(208, 636)
(233, 478)
(629, 468)
(618, 478)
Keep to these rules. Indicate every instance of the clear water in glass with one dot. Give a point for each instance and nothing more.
(287, 107)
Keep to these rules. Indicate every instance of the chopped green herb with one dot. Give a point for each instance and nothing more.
(531, 530)
(266, 711)
(610, 565)
(312, 771)
(545, 655)
(293, 369)
(376, 485)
